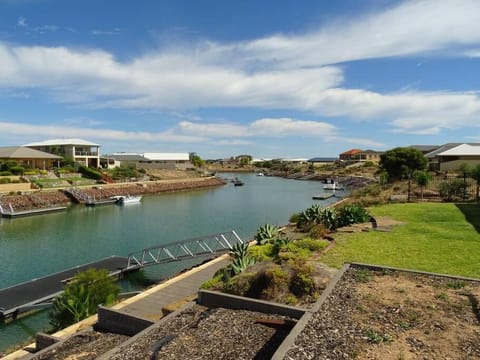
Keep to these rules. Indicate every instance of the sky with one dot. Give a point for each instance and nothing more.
(271, 78)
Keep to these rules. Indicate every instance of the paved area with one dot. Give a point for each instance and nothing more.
(149, 304)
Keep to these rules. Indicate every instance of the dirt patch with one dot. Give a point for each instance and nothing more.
(394, 315)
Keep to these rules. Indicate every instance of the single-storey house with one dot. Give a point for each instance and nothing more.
(322, 160)
(29, 158)
(173, 161)
(450, 156)
(81, 151)
(349, 155)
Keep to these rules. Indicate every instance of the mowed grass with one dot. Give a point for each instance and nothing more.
(435, 237)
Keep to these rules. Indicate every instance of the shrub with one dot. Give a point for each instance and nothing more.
(241, 258)
(5, 173)
(454, 190)
(317, 231)
(90, 173)
(5, 180)
(292, 251)
(262, 252)
(352, 214)
(82, 296)
(266, 233)
(213, 283)
(311, 244)
(17, 170)
(302, 282)
(294, 217)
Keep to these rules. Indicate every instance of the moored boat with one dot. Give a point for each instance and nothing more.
(331, 184)
(127, 199)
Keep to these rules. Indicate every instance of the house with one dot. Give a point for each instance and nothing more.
(29, 158)
(358, 155)
(322, 160)
(172, 161)
(81, 151)
(349, 155)
(450, 156)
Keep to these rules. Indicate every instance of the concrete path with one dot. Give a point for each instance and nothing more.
(149, 304)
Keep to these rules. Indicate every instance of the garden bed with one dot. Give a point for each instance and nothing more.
(389, 314)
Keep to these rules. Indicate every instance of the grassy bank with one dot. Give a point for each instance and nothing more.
(436, 237)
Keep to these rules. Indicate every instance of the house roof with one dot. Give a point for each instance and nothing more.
(351, 152)
(126, 157)
(167, 156)
(425, 148)
(323, 159)
(20, 152)
(445, 147)
(53, 142)
(149, 156)
(462, 150)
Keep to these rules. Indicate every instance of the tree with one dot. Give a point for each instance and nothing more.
(465, 170)
(82, 296)
(402, 162)
(475, 174)
(196, 160)
(422, 178)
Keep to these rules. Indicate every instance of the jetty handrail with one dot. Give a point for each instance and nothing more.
(184, 249)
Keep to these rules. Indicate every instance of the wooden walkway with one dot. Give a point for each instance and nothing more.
(149, 304)
(25, 296)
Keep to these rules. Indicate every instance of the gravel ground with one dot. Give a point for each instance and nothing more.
(87, 345)
(202, 333)
(394, 315)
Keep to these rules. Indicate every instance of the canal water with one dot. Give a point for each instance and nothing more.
(36, 246)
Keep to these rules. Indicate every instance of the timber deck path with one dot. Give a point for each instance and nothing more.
(149, 304)
(26, 295)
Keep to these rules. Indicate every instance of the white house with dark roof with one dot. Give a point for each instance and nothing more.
(172, 161)
(81, 151)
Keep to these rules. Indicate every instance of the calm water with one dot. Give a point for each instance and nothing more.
(37, 246)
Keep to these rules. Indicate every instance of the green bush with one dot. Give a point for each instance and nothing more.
(5, 180)
(294, 218)
(317, 231)
(90, 173)
(17, 170)
(262, 252)
(292, 251)
(452, 191)
(302, 282)
(5, 173)
(30, 172)
(352, 214)
(82, 296)
(311, 244)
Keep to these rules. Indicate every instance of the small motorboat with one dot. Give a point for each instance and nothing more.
(127, 199)
(238, 182)
(331, 184)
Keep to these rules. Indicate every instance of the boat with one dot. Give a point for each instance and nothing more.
(260, 174)
(127, 199)
(331, 184)
(238, 182)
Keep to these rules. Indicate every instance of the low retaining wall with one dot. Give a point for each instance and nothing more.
(120, 323)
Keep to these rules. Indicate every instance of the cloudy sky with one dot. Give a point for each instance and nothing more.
(272, 78)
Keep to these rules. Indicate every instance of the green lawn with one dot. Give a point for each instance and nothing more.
(436, 237)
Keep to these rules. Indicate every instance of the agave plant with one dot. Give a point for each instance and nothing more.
(241, 259)
(328, 218)
(310, 216)
(266, 233)
(352, 214)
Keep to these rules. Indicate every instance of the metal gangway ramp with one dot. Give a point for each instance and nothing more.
(185, 249)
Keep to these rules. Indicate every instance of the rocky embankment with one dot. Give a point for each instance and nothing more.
(349, 181)
(43, 199)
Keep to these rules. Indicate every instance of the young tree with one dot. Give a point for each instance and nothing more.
(465, 170)
(422, 178)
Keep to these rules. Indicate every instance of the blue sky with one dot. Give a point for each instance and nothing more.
(221, 78)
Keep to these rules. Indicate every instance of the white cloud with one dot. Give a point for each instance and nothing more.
(275, 72)
(280, 127)
(115, 31)
(54, 131)
(22, 22)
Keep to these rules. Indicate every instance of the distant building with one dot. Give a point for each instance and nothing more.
(29, 158)
(322, 160)
(81, 151)
(172, 161)
(349, 155)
